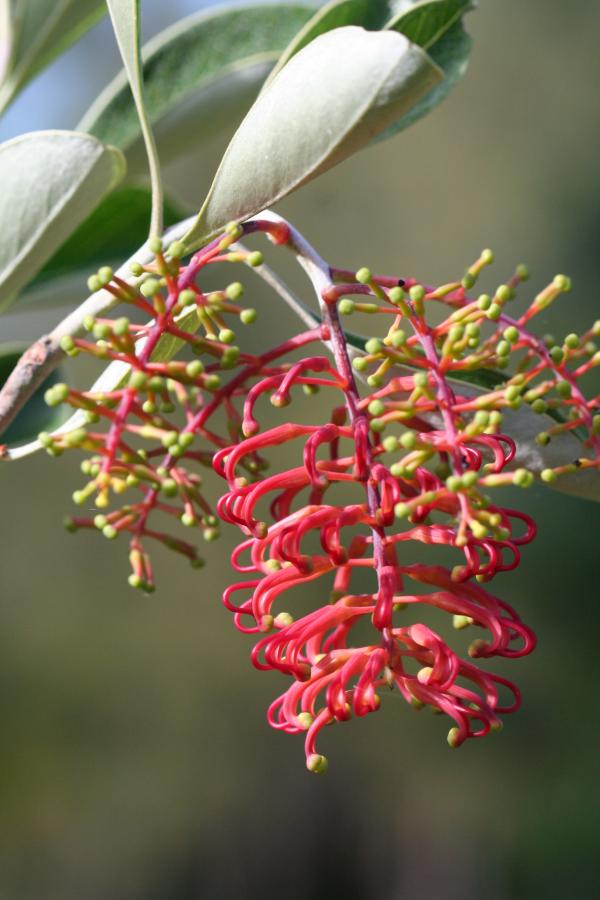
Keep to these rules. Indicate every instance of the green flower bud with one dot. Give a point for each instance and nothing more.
(416, 293)
(138, 380)
(186, 439)
(94, 284)
(503, 293)
(176, 250)
(346, 307)
(226, 336)
(373, 346)
(376, 407)
(188, 520)
(398, 338)
(562, 282)
(230, 357)
(56, 394)
(359, 364)
(255, 259)
(453, 737)
(572, 341)
(234, 291)
(169, 487)
(194, 368)
(150, 288)
(317, 763)
(121, 326)
(187, 297)
(248, 316)
(396, 294)
(523, 478)
(105, 275)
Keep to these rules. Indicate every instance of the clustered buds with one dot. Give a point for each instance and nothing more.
(407, 460)
(135, 441)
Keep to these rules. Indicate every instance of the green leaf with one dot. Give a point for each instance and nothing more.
(35, 32)
(110, 234)
(328, 102)
(199, 72)
(36, 416)
(51, 181)
(371, 14)
(125, 17)
(436, 26)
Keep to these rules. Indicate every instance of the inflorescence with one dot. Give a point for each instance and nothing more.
(407, 457)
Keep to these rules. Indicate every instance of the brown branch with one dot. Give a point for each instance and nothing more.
(30, 372)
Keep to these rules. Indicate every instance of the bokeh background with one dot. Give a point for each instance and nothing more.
(135, 759)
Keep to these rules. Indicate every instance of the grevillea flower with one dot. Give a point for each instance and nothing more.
(407, 458)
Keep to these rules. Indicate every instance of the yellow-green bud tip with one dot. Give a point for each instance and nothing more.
(317, 763)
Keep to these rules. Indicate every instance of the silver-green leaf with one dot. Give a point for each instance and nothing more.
(51, 181)
(371, 14)
(328, 102)
(437, 27)
(34, 32)
(198, 74)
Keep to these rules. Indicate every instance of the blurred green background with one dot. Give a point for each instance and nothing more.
(135, 759)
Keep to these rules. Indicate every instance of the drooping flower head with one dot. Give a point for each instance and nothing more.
(407, 459)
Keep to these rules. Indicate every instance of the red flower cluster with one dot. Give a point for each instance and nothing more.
(405, 461)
